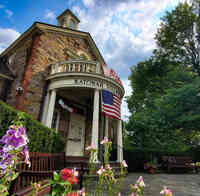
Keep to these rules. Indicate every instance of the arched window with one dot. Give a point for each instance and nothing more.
(62, 21)
(71, 24)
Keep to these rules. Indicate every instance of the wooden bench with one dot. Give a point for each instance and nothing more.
(170, 162)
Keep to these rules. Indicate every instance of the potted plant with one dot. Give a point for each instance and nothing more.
(150, 167)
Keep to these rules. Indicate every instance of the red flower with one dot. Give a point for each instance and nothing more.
(72, 194)
(65, 174)
(72, 180)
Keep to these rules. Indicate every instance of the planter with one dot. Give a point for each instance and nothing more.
(152, 170)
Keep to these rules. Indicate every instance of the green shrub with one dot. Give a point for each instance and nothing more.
(42, 138)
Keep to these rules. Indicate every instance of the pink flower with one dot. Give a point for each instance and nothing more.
(119, 194)
(140, 181)
(101, 170)
(104, 141)
(108, 167)
(124, 163)
(166, 192)
(82, 191)
(75, 172)
(135, 187)
(91, 147)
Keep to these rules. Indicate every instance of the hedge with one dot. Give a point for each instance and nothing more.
(42, 138)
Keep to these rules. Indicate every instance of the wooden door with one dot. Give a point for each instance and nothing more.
(76, 136)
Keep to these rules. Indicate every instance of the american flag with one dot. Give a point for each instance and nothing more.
(111, 104)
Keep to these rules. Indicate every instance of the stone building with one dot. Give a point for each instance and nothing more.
(57, 74)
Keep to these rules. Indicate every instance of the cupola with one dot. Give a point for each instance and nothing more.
(68, 19)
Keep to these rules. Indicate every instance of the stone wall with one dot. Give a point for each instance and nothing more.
(52, 47)
(17, 64)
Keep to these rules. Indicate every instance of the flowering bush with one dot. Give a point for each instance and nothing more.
(14, 151)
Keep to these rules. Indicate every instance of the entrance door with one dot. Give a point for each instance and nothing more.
(76, 136)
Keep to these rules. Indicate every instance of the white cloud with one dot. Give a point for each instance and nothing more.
(7, 36)
(124, 108)
(49, 15)
(124, 30)
(88, 3)
(9, 13)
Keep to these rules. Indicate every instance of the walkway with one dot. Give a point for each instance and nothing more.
(180, 184)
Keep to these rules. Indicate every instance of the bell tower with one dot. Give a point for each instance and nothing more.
(68, 19)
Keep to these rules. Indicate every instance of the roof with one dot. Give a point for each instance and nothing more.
(42, 27)
(68, 11)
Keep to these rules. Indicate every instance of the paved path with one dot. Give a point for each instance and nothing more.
(180, 184)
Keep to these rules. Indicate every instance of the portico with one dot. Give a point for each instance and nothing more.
(77, 85)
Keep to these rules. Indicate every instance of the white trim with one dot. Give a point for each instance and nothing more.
(62, 80)
(51, 108)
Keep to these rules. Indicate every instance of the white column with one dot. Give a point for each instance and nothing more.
(95, 121)
(101, 134)
(119, 141)
(45, 109)
(50, 110)
(106, 126)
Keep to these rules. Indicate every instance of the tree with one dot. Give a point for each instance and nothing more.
(150, 79)
(172, 124)
(165, 105)
(178, 37)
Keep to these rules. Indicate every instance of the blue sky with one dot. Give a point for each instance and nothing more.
(122, 29)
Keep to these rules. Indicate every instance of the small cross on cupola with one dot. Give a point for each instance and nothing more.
(68, 19)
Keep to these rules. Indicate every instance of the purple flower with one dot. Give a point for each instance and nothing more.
(15, 141)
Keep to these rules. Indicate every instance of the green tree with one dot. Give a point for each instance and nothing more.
(178, 36)
(164, 102)
(150, 79)
(172, 124)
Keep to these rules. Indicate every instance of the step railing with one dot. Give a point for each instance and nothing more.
(42, 167)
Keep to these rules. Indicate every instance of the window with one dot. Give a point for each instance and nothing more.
(1, 86)
(71, 24)
(62, 22)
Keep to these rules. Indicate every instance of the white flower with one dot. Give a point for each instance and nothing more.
(100, 171)
(124, 163)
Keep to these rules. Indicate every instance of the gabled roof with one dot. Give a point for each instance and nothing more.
(67, 11)
(39, 27)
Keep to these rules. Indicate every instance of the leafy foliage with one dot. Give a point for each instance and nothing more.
(165, 100)
(150, 79)
(42, 139)
(178, 36)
